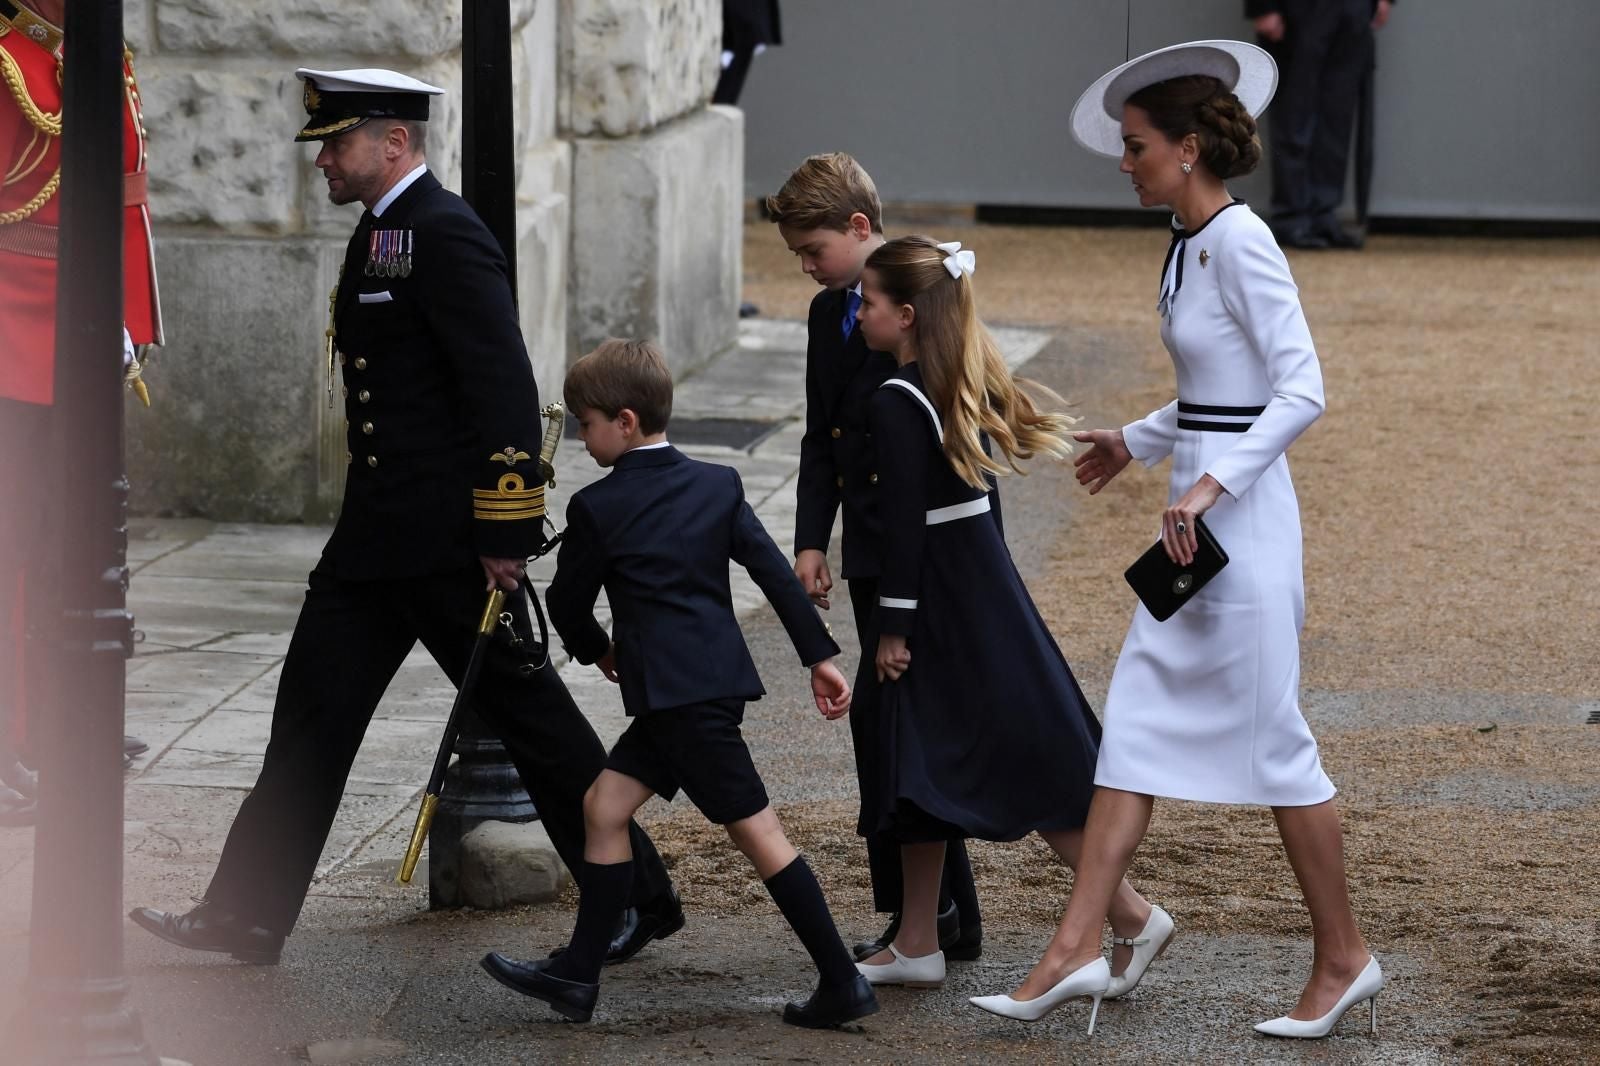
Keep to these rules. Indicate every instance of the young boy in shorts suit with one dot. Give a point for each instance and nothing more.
(658, 534)
(829, 215)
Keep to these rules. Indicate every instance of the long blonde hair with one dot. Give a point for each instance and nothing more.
(966, 376)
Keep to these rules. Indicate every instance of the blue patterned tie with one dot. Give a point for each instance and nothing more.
(852, 304)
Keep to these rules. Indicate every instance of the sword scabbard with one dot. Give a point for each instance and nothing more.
(419, 833)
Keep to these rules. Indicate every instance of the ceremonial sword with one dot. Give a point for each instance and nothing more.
(555, 415)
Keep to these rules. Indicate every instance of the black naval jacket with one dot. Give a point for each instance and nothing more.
(837, 461)
(443, 413)
(658, 533)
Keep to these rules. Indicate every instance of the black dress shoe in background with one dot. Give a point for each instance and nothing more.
(655, 920)
(865, 949)
(132, 746)
(571, 999)
(16, 810)
(209, 928)
(955, 946)
(1339, 237)
(966, 946)
(833, 1005)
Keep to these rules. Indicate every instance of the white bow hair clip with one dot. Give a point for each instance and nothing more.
(959, 261)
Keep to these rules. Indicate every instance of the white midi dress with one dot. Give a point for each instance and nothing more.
(1205, 706)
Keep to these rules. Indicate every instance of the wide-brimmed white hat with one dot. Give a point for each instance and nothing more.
(1249, 72)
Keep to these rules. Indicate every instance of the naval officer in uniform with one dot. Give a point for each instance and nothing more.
(442, 502)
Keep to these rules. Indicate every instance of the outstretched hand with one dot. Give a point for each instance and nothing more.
(1104, 460)
(830, 690)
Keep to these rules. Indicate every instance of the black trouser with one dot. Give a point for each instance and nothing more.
(1325, 52)
(883, 850)
(350, 640)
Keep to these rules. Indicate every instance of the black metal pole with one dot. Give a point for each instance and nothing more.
(488, 162)
(75, 1007)
(482, 785)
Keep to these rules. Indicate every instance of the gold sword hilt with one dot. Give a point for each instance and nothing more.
(556, 415)
(419, 834)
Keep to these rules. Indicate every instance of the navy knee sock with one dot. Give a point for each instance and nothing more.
(603, 898)
(796, 892)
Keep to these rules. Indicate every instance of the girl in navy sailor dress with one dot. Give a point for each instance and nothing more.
(985, 732)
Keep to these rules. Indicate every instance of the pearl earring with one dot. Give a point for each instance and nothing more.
(1187, 169)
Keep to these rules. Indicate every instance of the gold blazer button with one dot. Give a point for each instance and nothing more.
(361, 362)
(364, 396)
(366, 427)
(372, 460)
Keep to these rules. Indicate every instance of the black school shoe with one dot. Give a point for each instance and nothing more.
(656, 920)
(830, 1006)
(210, 928)
(573, 1000)
(958, 942)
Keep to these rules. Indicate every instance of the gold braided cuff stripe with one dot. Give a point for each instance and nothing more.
(509, 501)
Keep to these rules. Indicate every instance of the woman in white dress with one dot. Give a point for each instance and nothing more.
(1204, 706)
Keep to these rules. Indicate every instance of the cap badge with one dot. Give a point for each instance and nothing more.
(313, 99)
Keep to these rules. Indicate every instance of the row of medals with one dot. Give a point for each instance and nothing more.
(389, 254)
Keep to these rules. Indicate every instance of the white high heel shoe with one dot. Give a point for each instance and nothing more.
(1090, 979)
(1366, 986)
(924, 971)
(1147, 948)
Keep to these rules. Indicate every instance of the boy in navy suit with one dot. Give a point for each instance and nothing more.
(658, 534)
(829, 215)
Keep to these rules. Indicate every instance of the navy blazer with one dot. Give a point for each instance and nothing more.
(658, 534)
(838, 464)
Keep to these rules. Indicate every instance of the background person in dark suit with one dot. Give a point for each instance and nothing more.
(657, 534)
(747, 27)
(1324, 48)
(443, 432)
(829, 215)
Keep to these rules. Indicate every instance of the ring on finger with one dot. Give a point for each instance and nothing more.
(1182, 528)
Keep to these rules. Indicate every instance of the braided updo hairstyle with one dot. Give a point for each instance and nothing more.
(1198, 104)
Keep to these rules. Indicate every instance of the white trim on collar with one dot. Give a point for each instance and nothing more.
(650, 447)
(399, 187)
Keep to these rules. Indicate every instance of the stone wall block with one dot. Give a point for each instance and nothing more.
(630, 65)
(544, 214)
(239, 425)
(657, 241)
(533, 68)
(218, 151)
(300, 28)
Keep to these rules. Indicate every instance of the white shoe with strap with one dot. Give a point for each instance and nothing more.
(1147, 947)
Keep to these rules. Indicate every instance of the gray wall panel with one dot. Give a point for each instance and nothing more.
(1487, 108)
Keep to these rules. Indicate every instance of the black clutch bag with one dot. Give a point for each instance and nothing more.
(1163, 586)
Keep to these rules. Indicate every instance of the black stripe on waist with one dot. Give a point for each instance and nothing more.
(1214, 409)
(1214, 427)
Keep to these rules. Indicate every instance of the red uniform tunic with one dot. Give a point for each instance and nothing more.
(30, 211)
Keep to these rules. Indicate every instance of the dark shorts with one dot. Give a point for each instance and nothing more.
(699, 749)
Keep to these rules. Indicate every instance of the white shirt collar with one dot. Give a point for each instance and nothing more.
(651, 447)
(856, 288)
(399, 187)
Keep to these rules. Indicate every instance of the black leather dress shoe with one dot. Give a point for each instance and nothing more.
(1339, 237)
(954, 940)
(656, 920)
(209, 928)
(833, 1005)
(132, 746)
(571, 999)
